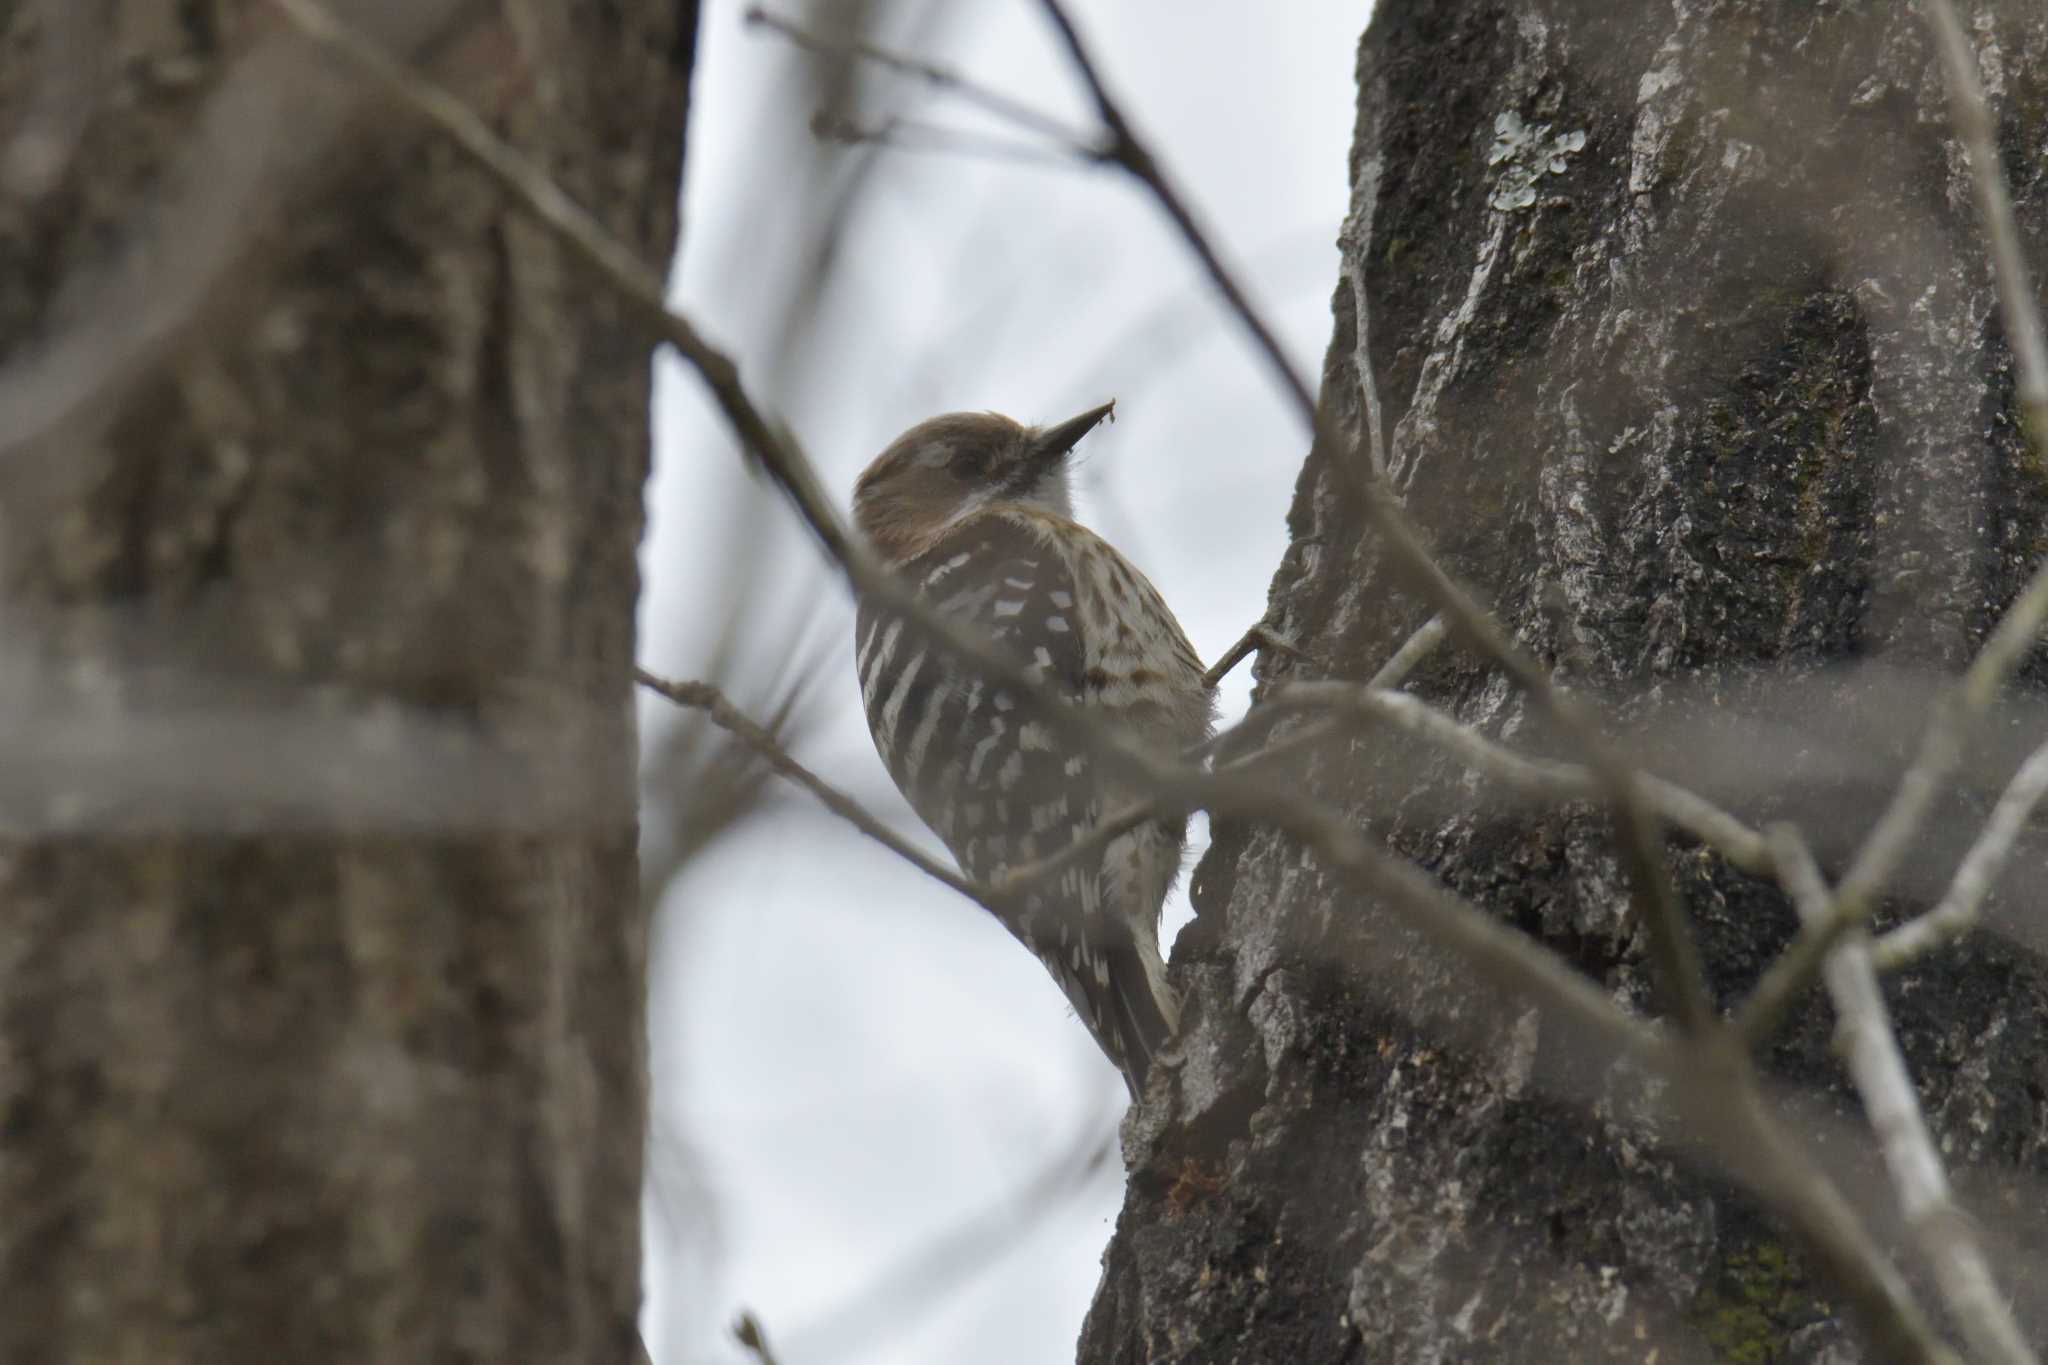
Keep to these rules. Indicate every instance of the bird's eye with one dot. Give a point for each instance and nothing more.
(970, 461)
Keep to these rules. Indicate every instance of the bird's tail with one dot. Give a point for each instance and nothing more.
(1142, 1013)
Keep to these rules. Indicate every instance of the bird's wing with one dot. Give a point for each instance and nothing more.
(1001, 789)
(959, 749)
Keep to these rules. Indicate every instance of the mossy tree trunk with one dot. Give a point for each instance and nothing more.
(321, 970)
(1690, 363)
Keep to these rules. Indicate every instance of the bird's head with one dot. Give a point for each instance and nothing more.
(950, 467)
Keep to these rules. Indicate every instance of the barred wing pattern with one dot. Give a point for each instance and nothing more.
(1002, 789)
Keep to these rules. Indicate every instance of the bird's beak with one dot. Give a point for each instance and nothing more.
(1054, 441)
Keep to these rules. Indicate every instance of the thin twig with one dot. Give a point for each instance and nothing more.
(1763, 1012)
(1941, 747)
(1872, 1053)
(1325, 831)
(1719, 1094)
(910, 135)
(1260, 635)
(1099, 835)
(1956, 912)
(1393, 673)
(1941, 744)
(748, 1332)
(1504, 957)
(1971, 115)
(1012, 111)
(1125, 149)
(1741, 845)
(1508, 958)
(1410, 655)
(701, 696)
(1673, 954)
(1719, 1099)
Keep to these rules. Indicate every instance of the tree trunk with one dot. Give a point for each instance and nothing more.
(1691, 366)
(320, 962)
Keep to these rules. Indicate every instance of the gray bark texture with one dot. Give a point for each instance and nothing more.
(321, 967)
(1690, 363)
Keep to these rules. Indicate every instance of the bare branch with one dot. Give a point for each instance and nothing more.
(1722, 1102)
(165, 747)
(1956, 912)
(1742, 846)
(1125, 149)
(704, 697)
(1672, 948)
(1872, 1053)
(748, 1332)
(1941, 750)
(1717, 1091)
(1941, 747)
(1260, 635)
(1392, 674)
(1012, 111)
(1672, 951)
(1790, 973)
(1410, 656)
(636, 282)
(912, 135)
(1941, 744)
(1098, 836)
(1502, 955)
(1971, 115)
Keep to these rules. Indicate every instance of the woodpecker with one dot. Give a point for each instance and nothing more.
(975, 513)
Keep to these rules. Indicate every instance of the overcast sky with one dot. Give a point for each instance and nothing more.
(856, 1073)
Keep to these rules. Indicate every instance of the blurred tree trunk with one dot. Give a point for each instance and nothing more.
(1689, 357)
(320, 962)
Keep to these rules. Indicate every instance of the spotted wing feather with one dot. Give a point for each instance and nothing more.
(1001, 788)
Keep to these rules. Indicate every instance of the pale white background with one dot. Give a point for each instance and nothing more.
(850, 1063)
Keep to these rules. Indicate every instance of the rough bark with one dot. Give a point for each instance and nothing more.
(320, 958)
(1703, 387)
